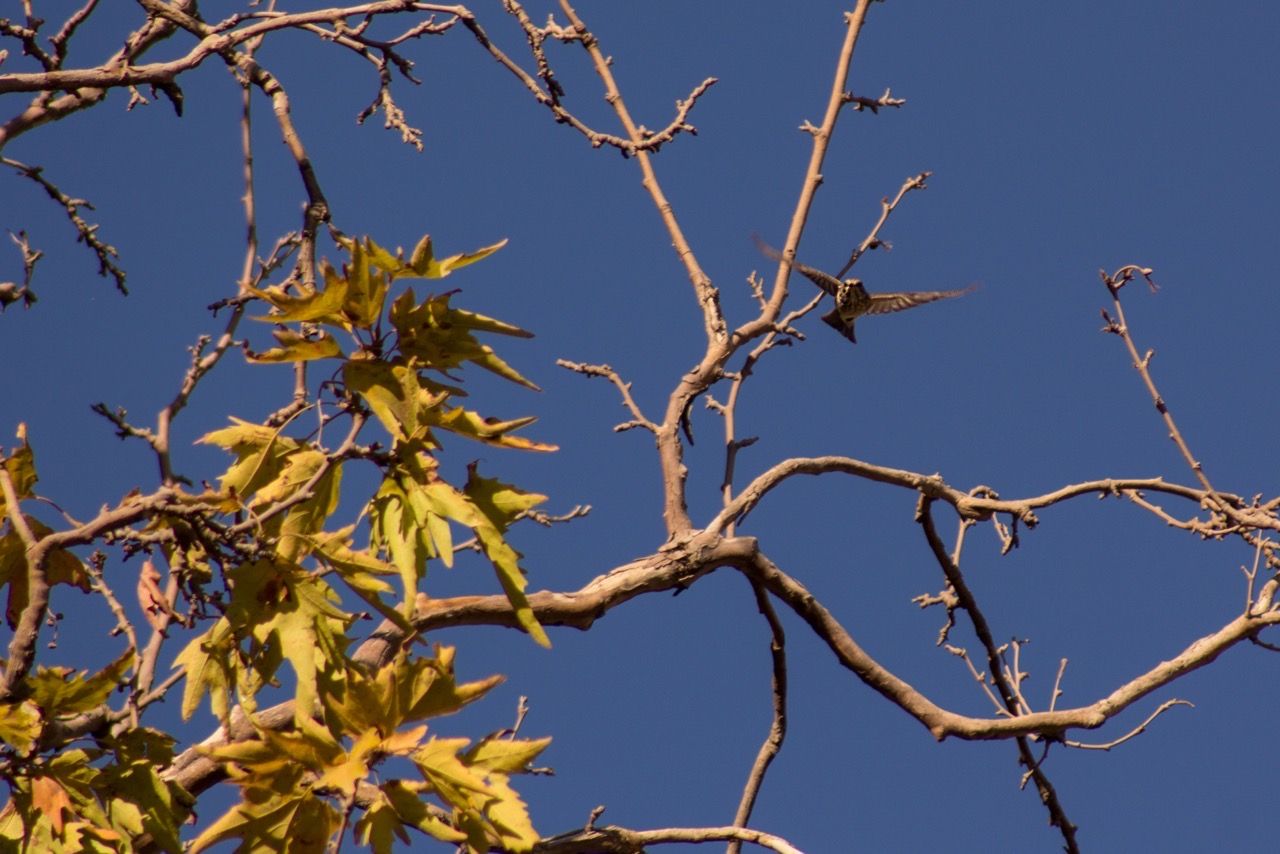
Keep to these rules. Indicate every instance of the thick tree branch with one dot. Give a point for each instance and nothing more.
(47, 107)
(680, 564)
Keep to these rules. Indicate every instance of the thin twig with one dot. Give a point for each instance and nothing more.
(1133, 733)
(1008, 689)
(86, 233)
(624, 388)
(1120, 326)
(778, 726)
(708, 297)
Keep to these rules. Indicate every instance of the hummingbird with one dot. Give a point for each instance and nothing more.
(852, 299)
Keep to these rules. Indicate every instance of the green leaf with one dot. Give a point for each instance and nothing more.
(295, 347)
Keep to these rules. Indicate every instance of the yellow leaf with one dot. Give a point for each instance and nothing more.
(380, 826)
(440, 336)
(352, 767)
(509, 756)
(393, 529)
(308, 517)
(488, 430)
(359, 569)
(366, 290)
(56, 694)
(452, 779)
(423, 263)
(428, 689)
(411, 810)
(210, 662)
(60, 567)
(21, 467)
(260, 451)
(323, 306)
(379, 257)
(393, 393)
(497, 503)
(20, 725)
(295, 347)
(509, 815)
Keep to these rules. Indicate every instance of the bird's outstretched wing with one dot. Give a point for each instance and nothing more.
(819, 278)
(886, 303)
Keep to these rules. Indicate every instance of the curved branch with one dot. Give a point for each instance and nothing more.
(672, 568)
(45, 108)
(611, 839)
(1133, 733)
(118, 73)
(22, 645)
(1008, 686)
(976, 506)
(944, 724)
(677, 566)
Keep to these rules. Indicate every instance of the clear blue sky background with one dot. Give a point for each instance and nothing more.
(1064, 137)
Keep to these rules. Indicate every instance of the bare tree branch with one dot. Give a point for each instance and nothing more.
(778, 726)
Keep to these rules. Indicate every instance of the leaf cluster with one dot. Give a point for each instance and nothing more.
(262, 573)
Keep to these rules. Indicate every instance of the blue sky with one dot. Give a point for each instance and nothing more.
(1063, 138)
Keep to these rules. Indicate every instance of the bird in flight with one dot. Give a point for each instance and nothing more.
(852, 299)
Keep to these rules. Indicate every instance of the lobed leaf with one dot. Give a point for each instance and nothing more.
(439, 336)
(260, 452)
(423, 263)
(21, 468)
(295, 347)
(55, 691)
